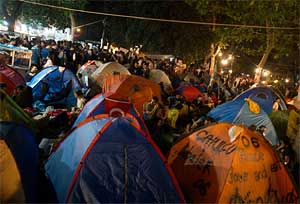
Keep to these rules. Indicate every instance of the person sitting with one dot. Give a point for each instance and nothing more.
(23, 96)
(150, 109)
(3, 86)
(80, 99)
(276, 105)
(194, 124)
(33, 71)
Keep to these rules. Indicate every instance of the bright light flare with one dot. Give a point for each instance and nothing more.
(224, 61)
(230, 57)
(287, 80)
(276, 81)
(230, 71)
(266, 73)
(78, 29)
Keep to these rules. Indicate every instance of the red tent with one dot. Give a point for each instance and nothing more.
(189, 92)
(11, 78)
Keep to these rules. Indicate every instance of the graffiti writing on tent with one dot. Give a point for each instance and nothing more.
(269, 196)
(240, 177)
(202, 185)
(215, 143)
(248, 156)
(237, 177)
(276, 166)
(196, 157)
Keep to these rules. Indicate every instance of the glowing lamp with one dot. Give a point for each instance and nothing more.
(266, 73)
(224, 61)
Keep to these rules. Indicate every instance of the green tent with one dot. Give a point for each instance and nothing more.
(280, 122)
(10, 111)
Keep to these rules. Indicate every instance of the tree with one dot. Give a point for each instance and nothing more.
(10, 11)
(187, 41)
(45, 16)
(252, 41)
(40, 15)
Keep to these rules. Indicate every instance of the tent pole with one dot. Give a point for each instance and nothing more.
(125, 173)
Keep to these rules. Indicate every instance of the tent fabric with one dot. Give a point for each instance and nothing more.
(108, 69)
(23, 149)
(227, 111)
(158, 76)
(238, 112)
(218, 164)
(190, 76)
(11, 77)
(189, 92)
(280, 122)
(111, 160)
(89, 68)
(103, 104)
(10, 111)
(264, 96)
(86, 80)
(137, 90)
(10, 185)
(293, 131)
(248, 118)
(60, 86)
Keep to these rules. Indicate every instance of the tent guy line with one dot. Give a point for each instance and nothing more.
(161, 20)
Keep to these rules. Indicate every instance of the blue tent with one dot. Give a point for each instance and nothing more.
(264, 96)
(54, 87)
(19, 164)
(105, 104)
(111, 160)
(238, 112)
(226, 112)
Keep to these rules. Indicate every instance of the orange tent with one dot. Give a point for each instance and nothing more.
(138, 89)
(224, 163)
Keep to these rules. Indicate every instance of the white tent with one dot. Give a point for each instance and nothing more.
(158, 76)
(190, 76)
(108, 69)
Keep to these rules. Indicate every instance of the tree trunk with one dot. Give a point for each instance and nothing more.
(213, 61)
(270, 45)
(11, 23)
(73, 24)
(11, 17)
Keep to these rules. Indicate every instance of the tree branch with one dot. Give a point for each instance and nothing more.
(4, 9)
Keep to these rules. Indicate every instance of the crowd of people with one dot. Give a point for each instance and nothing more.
(167, 119)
